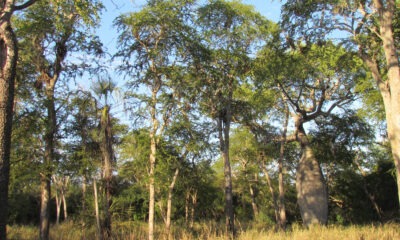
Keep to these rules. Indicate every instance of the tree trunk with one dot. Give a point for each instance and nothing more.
(8, 61)
(169, 204)
(223, 129)
(96, 208)
(58, 207)
(83, 212)
(271, 190)
(281, 183)
(187, 198)
(152, 161)
(390, 89)
(48, 162)
(312, 194)
(253, 202)
(108, 159)
(193, 209)
(64, 205)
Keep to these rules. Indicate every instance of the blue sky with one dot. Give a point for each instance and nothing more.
(108, 34)
(269, 8)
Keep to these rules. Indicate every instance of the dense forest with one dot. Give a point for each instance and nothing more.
(206, 112)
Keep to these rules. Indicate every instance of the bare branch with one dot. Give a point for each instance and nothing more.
(23, 6)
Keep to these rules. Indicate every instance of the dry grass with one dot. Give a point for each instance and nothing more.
(208, 231)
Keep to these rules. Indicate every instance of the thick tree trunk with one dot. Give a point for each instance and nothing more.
(390, 89)
(8, 60)
(312, 194)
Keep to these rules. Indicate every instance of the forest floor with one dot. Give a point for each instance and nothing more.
(132, 231)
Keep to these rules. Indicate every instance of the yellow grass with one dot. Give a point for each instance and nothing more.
(208, 231)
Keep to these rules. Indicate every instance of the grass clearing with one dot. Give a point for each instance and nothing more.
(209, 230)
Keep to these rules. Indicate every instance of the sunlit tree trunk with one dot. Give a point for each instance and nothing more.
(281, 183)
(169, 205)
(96, 209)
(312, 195)
(390, 88)
(253, 201)
(152, 161)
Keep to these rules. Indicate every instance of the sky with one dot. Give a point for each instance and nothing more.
(269, 8)
(108, 34)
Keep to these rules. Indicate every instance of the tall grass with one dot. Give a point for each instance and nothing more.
(211, 230)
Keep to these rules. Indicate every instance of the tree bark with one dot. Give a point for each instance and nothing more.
(8, 61)
(96, 208)
(389, 89)
(281, 183)
(152, 161)
(312, 194)
(108, 159)
(224, 129)
(253, 201)
(271, 190)
(83, 213)
(45, 178)
(169, 205)
(58, 207)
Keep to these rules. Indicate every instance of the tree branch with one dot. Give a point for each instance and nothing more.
(23, 6)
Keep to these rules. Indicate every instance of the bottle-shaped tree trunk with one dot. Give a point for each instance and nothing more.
(312, 195)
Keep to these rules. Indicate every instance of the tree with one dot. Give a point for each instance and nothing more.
(316, 80)
(371, 27)
(8, 62)
(231, 31)
(157, 36)
(103, 89)
(57, 33)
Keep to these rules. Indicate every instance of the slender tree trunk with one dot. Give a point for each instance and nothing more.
(83, 213)
(64, 205)
(169, 204)
(224, 128)
(312, 194)
(96, 208)
(152, 160)
(187, 198)
(193, 209)
(253, 202)
(58, 207)
(281, 182)
(371, 197)
(271, 190)
(48, 162)
(8, 61)
(108, 159)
